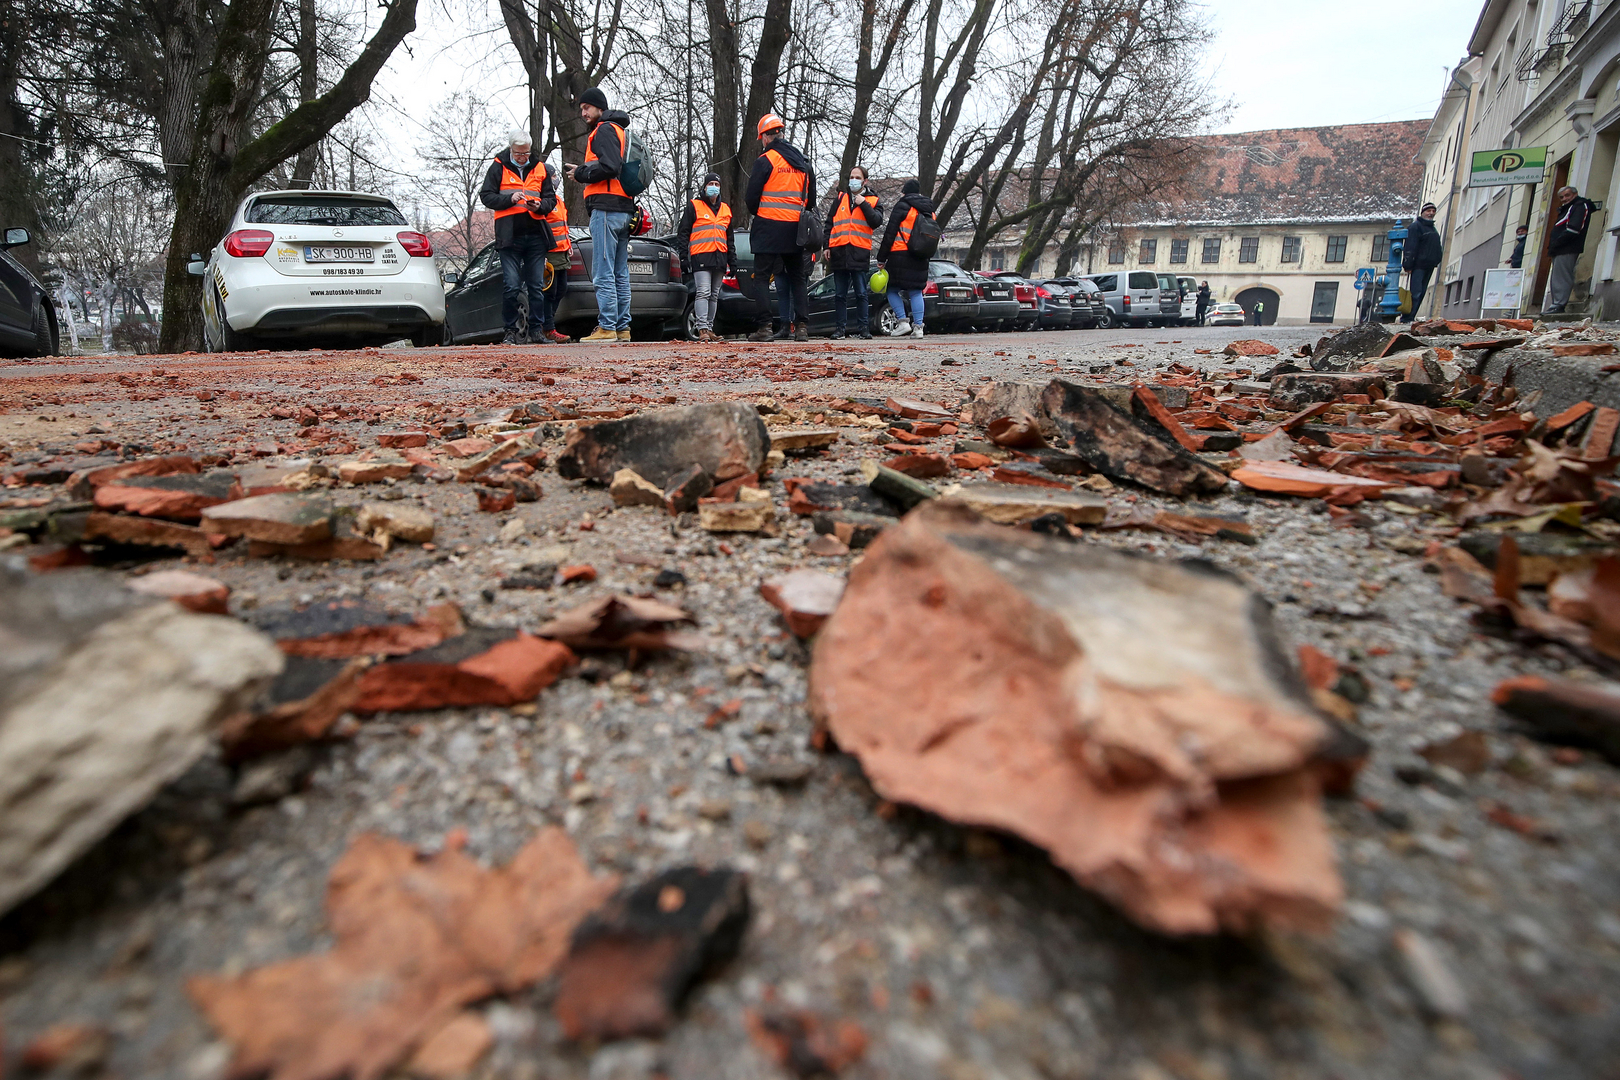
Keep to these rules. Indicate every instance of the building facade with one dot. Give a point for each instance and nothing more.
(1538, 73)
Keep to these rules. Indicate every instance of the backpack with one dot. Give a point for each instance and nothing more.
(637, 174)
(925, 233)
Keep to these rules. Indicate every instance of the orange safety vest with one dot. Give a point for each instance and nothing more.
(902, 235)
(709, 227)
(534, 184)
(558, 219)
(850, 227)
(783, 198)
(611, 185)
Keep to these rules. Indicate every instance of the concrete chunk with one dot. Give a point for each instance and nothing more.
(1012, 504)
(727, 438)
(276, 519)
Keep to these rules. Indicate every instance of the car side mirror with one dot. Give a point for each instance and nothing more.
(197, 265)
(16, 237)
(450, 277)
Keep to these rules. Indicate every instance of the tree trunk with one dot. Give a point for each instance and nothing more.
(17, 206)
(304, 168)
(869, 75)
(727, 89)
(223, 167)
(773, 38)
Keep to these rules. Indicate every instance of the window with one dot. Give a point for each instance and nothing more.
(1249, 249)
(1106, 282)
(1149, 253)
(1380, 252)
(336, 210)
(1335, 248)
(1290, 252)
(1468, 288)
(1142, 279)
(1212, 249)
(1116, 253)
(1178, 251)
(998, 259)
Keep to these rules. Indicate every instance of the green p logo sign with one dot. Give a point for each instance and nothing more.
(1507, 162)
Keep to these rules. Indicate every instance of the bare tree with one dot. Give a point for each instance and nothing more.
(456, 151)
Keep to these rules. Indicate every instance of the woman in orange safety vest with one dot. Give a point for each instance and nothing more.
(908, 272)
(854, 216)
(708, 251)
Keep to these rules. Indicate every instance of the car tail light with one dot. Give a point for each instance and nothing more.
(248, 243)
(978, 290)
(1043, 292)
(730, 282)
(930, 289)
(576, 263)
(415, 244)
(674, 266)
(1125, 301)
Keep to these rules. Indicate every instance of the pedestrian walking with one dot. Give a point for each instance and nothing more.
(1420, 256)
(779, 190)
(1203, 302)
(520, 191)
(1565, 242)
(854, 216)
(908, 271)
(1516, 260)
(610, 206)
(1259, 312)
(708, 246)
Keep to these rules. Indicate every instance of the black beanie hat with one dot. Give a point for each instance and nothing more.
(707, 177)
(594, 96)
(911, 187)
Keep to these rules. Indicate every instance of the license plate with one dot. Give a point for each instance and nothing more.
(325, 253)
(641, 268)
(955, 294)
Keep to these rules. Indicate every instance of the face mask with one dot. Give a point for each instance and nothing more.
(712, 191)
(856, 185)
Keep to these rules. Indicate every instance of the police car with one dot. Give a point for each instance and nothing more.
(319, 267)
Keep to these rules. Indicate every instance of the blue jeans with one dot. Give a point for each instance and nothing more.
(852, 281)
(610, 268)
(523, 266)
(897, 301)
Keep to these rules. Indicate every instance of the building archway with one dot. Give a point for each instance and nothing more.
(1249, 297)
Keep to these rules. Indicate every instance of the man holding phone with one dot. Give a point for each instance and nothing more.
(521, 192)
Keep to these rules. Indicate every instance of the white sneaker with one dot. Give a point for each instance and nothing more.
(917, 331)
(901, 329)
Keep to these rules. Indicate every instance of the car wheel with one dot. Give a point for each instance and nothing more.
(447, 333)
(1107, 320)
(428, 336)
(886, 322)
(689, 329)
(44, 332)
(230, 340)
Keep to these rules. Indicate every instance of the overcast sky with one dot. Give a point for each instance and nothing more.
(1309, 63)
(1283, 63)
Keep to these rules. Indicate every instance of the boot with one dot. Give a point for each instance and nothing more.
(557, 337)
(600, 334)
(801, 332)
(624, 335)
(838, 333)
(866, 335)
(783, 332)
(512, 337)
(764, 333)
(917, 331)
(901, 328)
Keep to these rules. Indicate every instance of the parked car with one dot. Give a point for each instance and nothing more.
(956, 305)
(1053, 307)
(1093, 302)
(1226, 315)
(319, 267)
(657, 293)
(28, 325)
(824, 312)
(998, 303)
(1169, 300)
(1189, 303)
(1029, 305)
(1132, 297)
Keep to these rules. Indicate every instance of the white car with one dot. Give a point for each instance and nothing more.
(318, 267)
(1226, 315)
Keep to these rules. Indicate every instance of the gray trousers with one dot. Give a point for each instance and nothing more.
(1560, 282)
(707, 298)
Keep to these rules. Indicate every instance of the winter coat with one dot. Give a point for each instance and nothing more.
(1203, 296)
(491, 195)
(1423, 246)
(907, 270)
(848, 256)
(705, 260)
(1568, 233)
(1516, 260)
(765, 236)
(609, 160)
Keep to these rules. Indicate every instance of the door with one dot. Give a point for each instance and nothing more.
(475, 303)
(1544, 257)
(1249, 297)
(1325, 301)
(16, 300)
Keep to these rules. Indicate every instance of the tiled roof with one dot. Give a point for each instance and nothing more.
(1348, 172)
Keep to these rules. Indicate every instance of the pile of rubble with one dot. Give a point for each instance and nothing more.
(1138, 718)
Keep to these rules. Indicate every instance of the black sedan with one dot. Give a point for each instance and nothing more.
(955, 292)
(28, 324)
(998, 303)
(824, 311)
(1094, 306)
(472, 309)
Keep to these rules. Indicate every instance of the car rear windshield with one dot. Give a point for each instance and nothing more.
(322, 210)
(1141, 279)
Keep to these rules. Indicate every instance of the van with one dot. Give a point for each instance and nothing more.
(1169, 299)
(1189, 303)
(1132, 297)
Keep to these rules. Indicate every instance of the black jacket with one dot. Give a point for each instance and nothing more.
(848, 256)
(765, 236)
(609, 160)
(491, 195)
(907, 270)
(1568, 233)
(705, 260)
(1516, 260)
(1423, 246)
(1203, 296)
